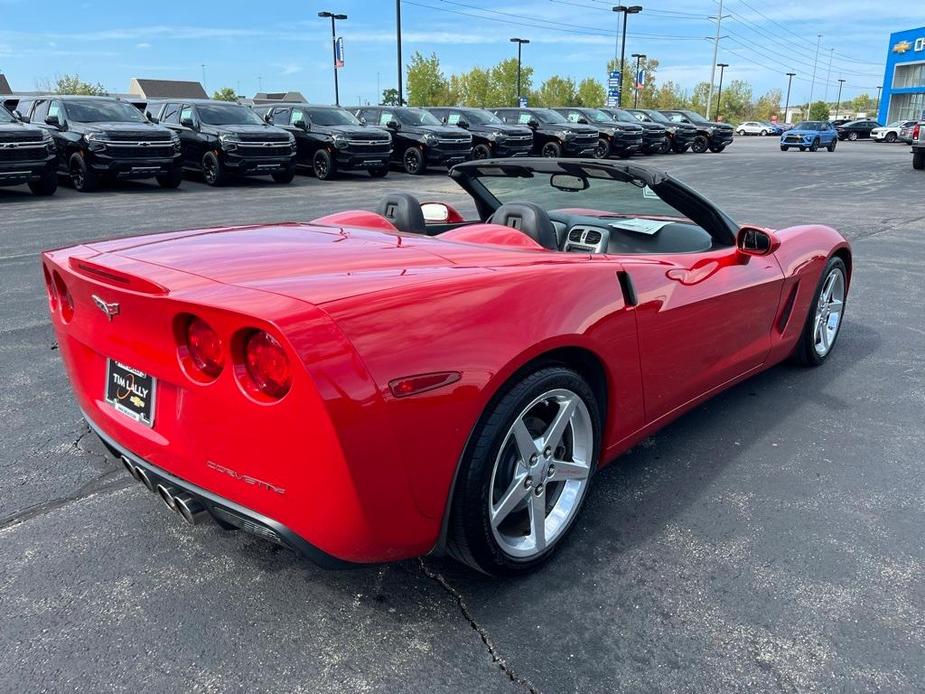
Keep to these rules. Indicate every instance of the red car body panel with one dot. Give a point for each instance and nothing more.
(366, 476)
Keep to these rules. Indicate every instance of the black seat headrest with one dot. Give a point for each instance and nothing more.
(529, 218)
(403, 211)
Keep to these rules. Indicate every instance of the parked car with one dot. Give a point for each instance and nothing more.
(905, 133)
(680, 135)
(753, 127)
(491, 136)
(710, 135)
(918, 146)
(224, 140)
(841, 121)
(99, 137)
(613, 137)
(371, 396)
(810, 135)
(774, 128)
(419, 139)
(654, 135)
(331, 139)
(27, 155)
(890, 132)
(553, 134)
(856, 129)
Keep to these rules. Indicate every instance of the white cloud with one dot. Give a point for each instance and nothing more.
(143, 44)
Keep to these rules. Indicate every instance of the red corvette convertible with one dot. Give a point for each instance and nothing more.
(369, 386)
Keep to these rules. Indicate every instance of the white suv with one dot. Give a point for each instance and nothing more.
(890, 133)
(752, 127)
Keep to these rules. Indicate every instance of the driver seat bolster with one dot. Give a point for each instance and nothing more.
(529, 218)
(403, 211)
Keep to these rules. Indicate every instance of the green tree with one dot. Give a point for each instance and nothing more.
(863, 103)
(735, 103)
(668, 95)
(390, 97)
(72, 84)
(767, 105)
(591, 93)
(473, 88)
(225, 94)
(819, 110)
(503, 76)
(698, 98)
(557, 91)
(427, 85)
(648, 92)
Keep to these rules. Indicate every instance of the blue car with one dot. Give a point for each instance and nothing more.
(810, 135)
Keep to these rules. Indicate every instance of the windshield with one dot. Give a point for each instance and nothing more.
(5, 116)
(625, 117)
(896, 124)
(614, 197)
(480, 117)
(416, 116)
(595, 115)
(695, 117)
(547, 115)
(651, 115)
(102, 112)
(331, 116)
(809, 125)
(227, 114)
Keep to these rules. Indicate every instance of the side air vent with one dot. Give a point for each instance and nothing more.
(587, 240)
(575, 235)
(593, 238)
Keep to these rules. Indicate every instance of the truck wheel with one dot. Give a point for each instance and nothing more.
(213, 173)
(679, 148)
(284, 176)
(413, 161)
(918, 159)
(83, 178)
(700, 145)
(481, 152)
(601, 149)
(46, 185)
(665, 147)
(552, 150)
(716, 149)
(171, 179)
(379, 172)
(323, 165)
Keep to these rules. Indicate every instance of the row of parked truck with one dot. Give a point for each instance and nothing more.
(92, 139)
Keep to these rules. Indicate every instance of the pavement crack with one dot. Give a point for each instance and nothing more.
(496, 657)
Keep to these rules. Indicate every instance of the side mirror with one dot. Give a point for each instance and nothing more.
(756, 241)
(268, 117)
(302, 125)
(153, 119)
(533, 124)
(187, 122)
(583, 121)
(393, 125)
(363, 121)
(463, 124)
(435, 212)
(53, 120)
(18, 116)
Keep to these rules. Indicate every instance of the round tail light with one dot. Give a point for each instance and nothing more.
(204, 347)
(64, 297)
(267, 365)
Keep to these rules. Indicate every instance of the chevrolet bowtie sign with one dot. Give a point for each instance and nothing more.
(904, 46)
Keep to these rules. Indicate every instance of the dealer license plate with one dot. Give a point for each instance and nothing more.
(130, 391)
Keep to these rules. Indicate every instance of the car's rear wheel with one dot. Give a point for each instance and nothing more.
(525, 474)
(852, 136)
(831, 146)
(413, 161)
(83, 178)
(323, 165)
(46, 185)
(825, 315)
(700, 144)
(481, 151)
(891, 137)
(213, 173)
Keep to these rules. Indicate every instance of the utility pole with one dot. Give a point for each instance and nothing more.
(520, 43)
(812, 84)
(790, 76)
(838, 103)
(401, 98)
(638, 57)
(632, 9)
(722, 68)
(719, 20)
(828, 75)
(334, 17)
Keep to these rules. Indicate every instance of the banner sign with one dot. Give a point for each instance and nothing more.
(640, 79)
(339, 52)
(522, 102)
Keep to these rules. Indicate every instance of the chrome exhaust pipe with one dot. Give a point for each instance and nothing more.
(132, 470)
(191, 510)
(167, 496)
(145, 479)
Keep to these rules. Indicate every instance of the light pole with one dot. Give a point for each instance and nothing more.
(334, 17)
(632, 9)
(520, 43)
(838, 103)
(879, 90)
(790, 76)
(638, 57)
(401, 99)
(812, 84)
(719, 95)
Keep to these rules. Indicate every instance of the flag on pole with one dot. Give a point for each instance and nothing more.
(339, 52)
(640, 79)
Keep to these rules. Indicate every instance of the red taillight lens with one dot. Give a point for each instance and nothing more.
(915, 131)
(64, 297)
(204, 347)
(267, 364)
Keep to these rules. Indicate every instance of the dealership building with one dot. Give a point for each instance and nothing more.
(904, 80)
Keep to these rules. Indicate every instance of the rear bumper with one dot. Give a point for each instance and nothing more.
(225, 511)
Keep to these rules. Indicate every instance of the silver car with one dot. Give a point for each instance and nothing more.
(753, 127)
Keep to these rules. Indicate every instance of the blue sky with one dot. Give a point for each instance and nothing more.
(287, 46)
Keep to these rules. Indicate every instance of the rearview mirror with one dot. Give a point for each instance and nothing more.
(52, 120)
(435, 212)
(568, 183)
(757, 241)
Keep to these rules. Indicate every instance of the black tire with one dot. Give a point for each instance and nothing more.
(284, 176)
(481, 151)
(814, 147)
(665, 147)
(171, 179)
(379, 172)
(764, 133)
(831, 146)
(891, 137)
(716, 149)
(700, 144)
(784, 148)
(83, 178)
(802, 148)
(918, 159)
(213, 172)
(413, 161)
(46, 185)
(805, 352)
(551, 150)
(471, 539)
(852, 136)
(323, 165)
(740, 133)
(679, 148)
(602, 148)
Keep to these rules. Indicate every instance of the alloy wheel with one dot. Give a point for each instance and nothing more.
(829, 309)
(77, 176)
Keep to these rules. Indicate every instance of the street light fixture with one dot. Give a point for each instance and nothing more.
(624, 10)
(719, 94)
(838, 103)
(520, 43)
(638, 57)
(334, 17)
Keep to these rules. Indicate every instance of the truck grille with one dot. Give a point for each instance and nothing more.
(454, 144)
(370, 146)
(23, 152)
(139, 150)
(264, 149)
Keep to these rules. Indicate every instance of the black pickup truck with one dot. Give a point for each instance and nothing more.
(680, 135)
(710, 135)
(553, 134)
(655, 138)
(331, 139)
(491, 136)
(101, 137)
(223, 140)
(614, 136)
(419, 139)
(27, 155)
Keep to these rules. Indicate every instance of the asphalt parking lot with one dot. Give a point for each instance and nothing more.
(771, 540)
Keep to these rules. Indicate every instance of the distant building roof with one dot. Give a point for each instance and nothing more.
(166, 89)
(271, 97)
(4, 86)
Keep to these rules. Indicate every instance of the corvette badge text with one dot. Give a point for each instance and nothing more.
(247, 479)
